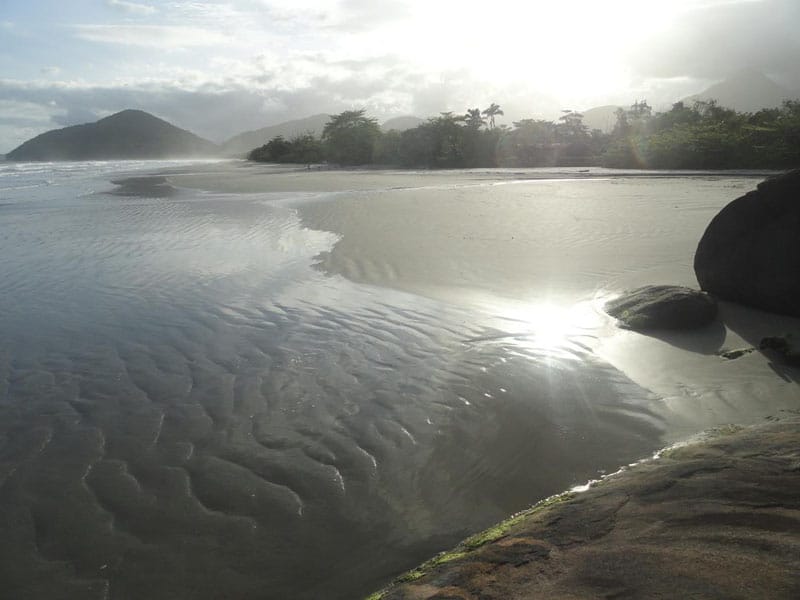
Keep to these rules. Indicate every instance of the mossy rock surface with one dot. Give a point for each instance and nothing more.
(654, 307)
(716, 519)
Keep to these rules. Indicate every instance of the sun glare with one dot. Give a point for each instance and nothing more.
(550, 326)
(575, 48)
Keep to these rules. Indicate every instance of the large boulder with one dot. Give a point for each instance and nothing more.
(750, 252)
(663, 307)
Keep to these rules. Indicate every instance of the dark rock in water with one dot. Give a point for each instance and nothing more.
(737, 353)
(750, 252)
(145, 187)
(787, 346)
(663, 307)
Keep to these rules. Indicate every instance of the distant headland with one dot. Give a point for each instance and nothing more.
(129, 134)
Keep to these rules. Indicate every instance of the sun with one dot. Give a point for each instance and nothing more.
(571, 50)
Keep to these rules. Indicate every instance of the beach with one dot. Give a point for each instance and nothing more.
(225, 378)
(409, 239)
(512, 243)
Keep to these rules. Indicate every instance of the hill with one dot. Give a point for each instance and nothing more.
(241, 144)
(402, 123)
(746, 91)
(130, 134)
(601, 117)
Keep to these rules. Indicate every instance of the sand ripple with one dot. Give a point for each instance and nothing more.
(189, 410)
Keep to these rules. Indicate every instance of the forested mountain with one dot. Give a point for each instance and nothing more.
(402, 123)
(130, 134)
(241, 144)
(746, 91)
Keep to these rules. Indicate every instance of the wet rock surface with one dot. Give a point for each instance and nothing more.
(716, 519)
(750, 252)
(147, 187)
(655, 307)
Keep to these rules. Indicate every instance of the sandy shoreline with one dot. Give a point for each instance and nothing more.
(398, 230)
(542, 257)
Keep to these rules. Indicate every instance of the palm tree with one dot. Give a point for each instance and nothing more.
(473, 118)
(492, 112)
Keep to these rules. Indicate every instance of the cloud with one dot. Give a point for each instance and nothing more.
(364, 15)
(132, 7)
(75, 115)
(251, 93)
(151, 36)
(212, 110)
(20, 121)
(718, 39)
(260, 92)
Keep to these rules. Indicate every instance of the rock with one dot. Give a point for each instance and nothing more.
(750, 252)
(737, 353)
(788, 347)
(713, 519)
(146, 187)
(663, 307)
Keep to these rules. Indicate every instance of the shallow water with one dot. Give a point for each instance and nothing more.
(189, 409)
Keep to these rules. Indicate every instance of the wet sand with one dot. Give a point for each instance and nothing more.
(718, 518)
(705, 515)
(190, 408)
(543, 257)
(514, 234)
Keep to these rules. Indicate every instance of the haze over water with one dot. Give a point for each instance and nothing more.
(190, 409)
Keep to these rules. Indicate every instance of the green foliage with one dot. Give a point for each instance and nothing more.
(473, 118)
(701, 136)
(304, 149)
(491, 112)
(387, 148)
(472, 543)
(706, 136)
(540, 143)
(349, 138)
(449, 142)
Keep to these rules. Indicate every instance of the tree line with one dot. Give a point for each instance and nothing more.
(702, 135)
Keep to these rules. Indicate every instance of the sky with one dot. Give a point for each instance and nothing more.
(220, 67)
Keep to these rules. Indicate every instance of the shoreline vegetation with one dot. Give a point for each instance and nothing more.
(703, 135)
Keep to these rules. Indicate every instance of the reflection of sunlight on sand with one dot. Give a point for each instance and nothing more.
(559, 330)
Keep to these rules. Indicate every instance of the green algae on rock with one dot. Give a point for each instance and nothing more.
(716, 518)
(663, 307)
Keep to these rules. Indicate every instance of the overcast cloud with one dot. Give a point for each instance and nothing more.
(713, 42)
(221, 67)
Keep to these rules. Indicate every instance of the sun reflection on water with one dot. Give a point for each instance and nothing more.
(558, 329)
